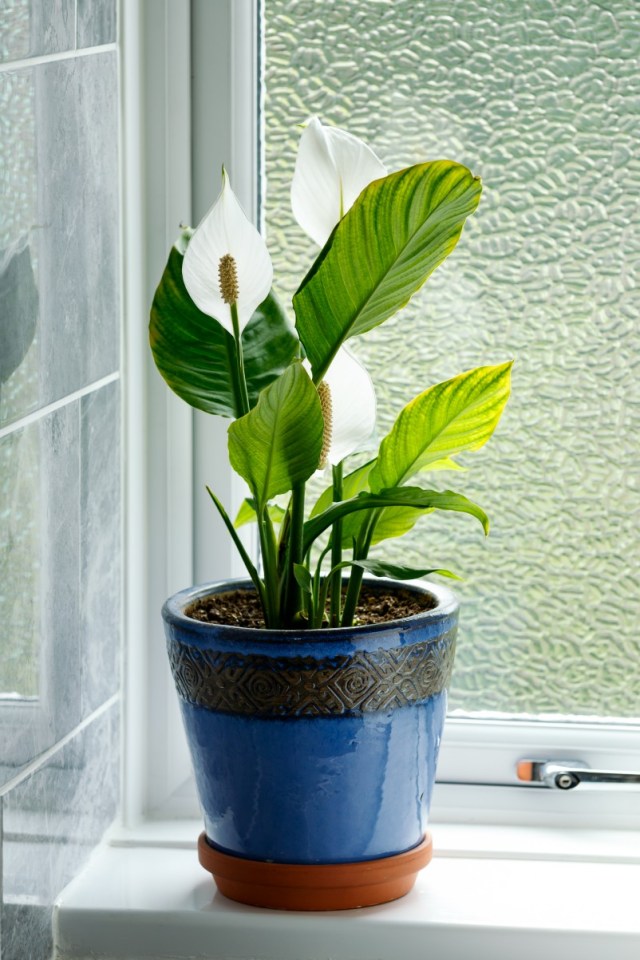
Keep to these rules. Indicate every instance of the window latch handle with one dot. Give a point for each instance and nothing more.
(567, 774)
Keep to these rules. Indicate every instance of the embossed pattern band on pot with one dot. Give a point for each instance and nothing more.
(260, 685)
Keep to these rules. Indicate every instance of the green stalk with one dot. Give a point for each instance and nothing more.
(322, 601)
(251, 570)
(318, 589)
(296, 552)
(284, 551)
(360, 552)
(336, 550)
(335, 571)
(270, 560)
(232, 354)
(283, 540)
(239, 376)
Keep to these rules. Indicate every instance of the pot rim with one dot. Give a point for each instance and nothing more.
(173, 612)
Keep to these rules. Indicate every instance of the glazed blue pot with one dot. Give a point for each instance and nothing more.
(314, 746)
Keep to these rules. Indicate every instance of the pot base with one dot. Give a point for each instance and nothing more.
(294, 886)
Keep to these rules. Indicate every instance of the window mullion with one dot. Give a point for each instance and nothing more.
(156, 161)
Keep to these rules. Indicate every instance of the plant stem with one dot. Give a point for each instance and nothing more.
(360, 552)
(270, 561)
(336, 550)
(322, 601)
(251, 570)
(232, 355)
(240, 376)
(317, 590)
(296, 551)
(283, 539)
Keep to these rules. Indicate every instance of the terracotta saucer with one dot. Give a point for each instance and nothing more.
(292, 886)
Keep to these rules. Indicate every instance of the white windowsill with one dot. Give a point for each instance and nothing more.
(574, 893)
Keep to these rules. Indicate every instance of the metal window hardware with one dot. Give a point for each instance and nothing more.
(567, 774)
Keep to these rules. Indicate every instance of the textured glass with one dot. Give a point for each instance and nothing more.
(19, 564)
(541, 99)
(59, 332)
(60, 466)
(19, 453)
(32, 28)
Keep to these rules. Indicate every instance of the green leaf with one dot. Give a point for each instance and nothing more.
(278, 443)
(247, 513)
(445, 464)
(414, 497)
(392, 522)
(352, 484)
(303, 577)
(394, 236)
(456, 415)
(397, 572)
(196, 355)
(251, 570)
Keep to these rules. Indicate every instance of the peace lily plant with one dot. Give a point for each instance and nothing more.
(299, 400)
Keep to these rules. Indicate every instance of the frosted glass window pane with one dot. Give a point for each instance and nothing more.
(19, 454)
(541, 99)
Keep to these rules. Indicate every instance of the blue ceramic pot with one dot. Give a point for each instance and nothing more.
(315, 746)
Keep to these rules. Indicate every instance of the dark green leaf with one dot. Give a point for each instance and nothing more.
(303, 577)
(253, 573)
(195, 354)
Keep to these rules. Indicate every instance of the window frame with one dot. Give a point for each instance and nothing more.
(32, 724)
(175, 133)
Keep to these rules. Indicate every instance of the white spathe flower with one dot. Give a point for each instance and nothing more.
(352, 407)
(332, 169)
(223, 231)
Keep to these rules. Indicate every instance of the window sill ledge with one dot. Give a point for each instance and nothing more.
(145, 896)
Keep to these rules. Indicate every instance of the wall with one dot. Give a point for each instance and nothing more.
(60, 517)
